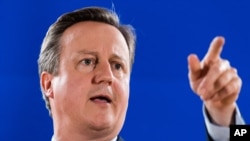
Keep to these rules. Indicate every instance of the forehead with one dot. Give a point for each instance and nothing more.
(93, 35)
(88, 30)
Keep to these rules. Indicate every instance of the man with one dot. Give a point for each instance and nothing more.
(85, 64)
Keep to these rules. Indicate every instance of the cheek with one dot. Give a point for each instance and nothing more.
(69, 92)
(122, 93)
(122, 101)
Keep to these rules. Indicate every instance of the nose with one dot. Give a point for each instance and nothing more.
(103, 73)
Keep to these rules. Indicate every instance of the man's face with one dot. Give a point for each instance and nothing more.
(91, 90)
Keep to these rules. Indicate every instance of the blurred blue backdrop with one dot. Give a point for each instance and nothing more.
(161, 101)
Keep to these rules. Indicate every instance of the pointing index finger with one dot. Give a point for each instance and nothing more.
(214, 50)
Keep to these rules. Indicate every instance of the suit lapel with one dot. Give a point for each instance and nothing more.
(120, 139)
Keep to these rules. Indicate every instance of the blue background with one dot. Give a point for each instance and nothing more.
(162, 104)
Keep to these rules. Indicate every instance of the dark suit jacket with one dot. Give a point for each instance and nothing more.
(120, 138)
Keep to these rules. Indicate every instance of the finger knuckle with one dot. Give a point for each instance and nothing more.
(216, 68)
(228, 89)
(226, 62)
(233, 87)
(218, 84)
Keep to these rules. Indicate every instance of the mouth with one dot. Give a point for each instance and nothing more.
(101, 99)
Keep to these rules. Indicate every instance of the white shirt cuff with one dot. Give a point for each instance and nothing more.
(220, 133)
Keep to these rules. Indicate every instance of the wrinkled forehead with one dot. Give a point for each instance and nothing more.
(94, 36)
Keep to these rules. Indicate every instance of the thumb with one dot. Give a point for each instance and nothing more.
(194, 67)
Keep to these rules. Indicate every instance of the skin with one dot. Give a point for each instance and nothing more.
(215, 82)
(94, 62)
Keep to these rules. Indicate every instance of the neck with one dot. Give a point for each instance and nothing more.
(76, 133)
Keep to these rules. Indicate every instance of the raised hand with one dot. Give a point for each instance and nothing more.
(215, 81)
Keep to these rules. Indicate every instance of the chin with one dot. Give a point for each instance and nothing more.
(102, 123)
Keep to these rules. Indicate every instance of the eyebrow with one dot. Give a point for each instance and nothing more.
(94, 53)
(84, 51)
(115, 56)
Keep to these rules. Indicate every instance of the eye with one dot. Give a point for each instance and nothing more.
(117, 66)
(88, 61)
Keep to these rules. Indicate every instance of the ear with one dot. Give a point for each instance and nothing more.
(45, 81)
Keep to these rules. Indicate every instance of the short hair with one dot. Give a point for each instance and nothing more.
(49, 57)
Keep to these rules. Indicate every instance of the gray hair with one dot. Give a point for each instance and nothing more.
(49, 57)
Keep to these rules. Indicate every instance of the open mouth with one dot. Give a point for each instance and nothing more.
(101, 98)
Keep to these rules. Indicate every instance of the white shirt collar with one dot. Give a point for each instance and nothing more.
(53, 139)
